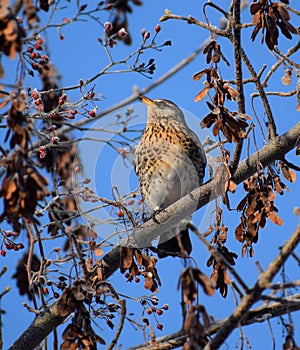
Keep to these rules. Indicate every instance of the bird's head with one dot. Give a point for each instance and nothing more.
(162, 109)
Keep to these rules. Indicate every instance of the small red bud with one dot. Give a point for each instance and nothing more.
(160, 326)
(3, 252)
(136, 280)
(82, 7)
(92, 114)
(52, 128)
(77, 169)
(55, 140)
(39, 40)
(166, 307)
(8, 233)
(30, 49)
(108, 6)
(147, 35)
(35, 66)
(157, 28)
(108, 26)
(38, 47)
(62, 99)
(159, 312)
(90, 95)
(111, 43)
(120, 214)
(122, 33)
(35, 95)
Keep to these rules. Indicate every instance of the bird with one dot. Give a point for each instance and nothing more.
(170, 162)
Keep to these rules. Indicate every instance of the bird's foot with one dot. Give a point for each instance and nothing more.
(156, 212)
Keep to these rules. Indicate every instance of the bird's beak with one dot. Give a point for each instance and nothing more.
(146, 100)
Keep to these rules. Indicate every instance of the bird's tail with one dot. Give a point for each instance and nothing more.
(173, 247)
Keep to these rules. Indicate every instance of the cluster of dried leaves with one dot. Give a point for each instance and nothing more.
(22, 187)
(138, 263)
(219, 274)
(17, 121)
(31, 9)
(258, 205)
(189, 280)
(195, 330)
(268, 17)
(78, 334)
(11, 31)
(232, 124)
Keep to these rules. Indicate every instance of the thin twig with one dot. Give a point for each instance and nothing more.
(121, 325)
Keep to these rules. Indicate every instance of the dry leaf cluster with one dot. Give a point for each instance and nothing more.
(195, 330)
(138, 263)
(232, 124)
(258, 205)
(22, 187)
(268, 17)
(11, 31)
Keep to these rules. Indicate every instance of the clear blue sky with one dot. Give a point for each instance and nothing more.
(79, 56)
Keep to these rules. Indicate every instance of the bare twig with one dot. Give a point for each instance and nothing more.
(120, 327)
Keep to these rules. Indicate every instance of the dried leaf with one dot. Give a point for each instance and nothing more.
(98, 251)
(200, 96)
(275, 218)
(209, 231)
(126, 258)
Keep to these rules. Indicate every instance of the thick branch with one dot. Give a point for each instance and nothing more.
(258, 314)
(274, 150)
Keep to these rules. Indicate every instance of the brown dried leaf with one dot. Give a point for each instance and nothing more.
(98, 251)
(200, 96)
(275, 218)
(207, 283)
(288, 174)
(254, 7)
(283, 12)
(139, 257)
(239, 232)
(209, 231)
(199, 75)
(126, 258)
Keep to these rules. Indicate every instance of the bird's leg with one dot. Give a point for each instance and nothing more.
(156, 212)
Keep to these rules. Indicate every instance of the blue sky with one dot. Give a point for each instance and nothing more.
(80, 56)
